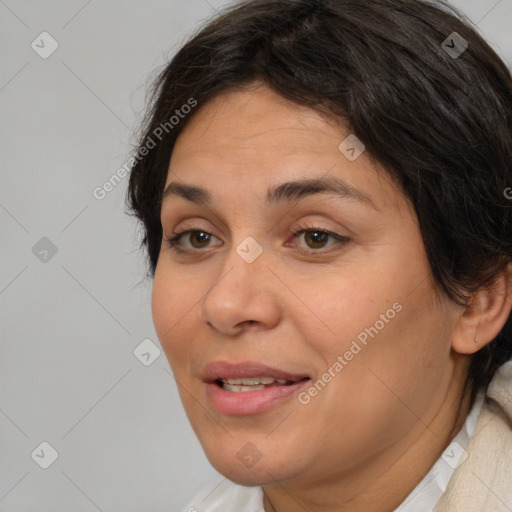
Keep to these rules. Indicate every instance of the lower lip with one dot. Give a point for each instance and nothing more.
(250, 402)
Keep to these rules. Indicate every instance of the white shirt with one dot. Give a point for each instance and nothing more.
(225, 496)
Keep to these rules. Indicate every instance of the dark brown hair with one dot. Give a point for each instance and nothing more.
(438, 123)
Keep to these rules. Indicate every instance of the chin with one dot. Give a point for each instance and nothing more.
(250, 477)
(249, 472)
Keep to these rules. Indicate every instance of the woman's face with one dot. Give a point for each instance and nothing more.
(346, 303)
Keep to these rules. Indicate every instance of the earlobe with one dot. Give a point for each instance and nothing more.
(485, 315)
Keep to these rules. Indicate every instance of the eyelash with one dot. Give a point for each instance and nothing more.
(173, 242)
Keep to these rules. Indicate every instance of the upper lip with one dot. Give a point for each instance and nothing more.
(222, 370)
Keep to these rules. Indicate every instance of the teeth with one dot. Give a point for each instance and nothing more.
(242, 389)
(251, 383)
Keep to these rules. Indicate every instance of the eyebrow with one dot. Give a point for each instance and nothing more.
(287, 191)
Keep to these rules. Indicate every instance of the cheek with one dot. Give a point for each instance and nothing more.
(402, 362)
(172, 302)
(163, 305)
(383, 321)
(336, 308)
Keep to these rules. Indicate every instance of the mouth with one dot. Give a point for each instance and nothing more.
(249, 388)
(248, 374)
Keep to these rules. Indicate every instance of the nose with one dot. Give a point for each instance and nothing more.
(241, 296)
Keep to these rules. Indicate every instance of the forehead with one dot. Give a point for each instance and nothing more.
(257, 137)
(257, 115)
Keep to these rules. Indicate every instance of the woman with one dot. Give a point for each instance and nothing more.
(322, 188)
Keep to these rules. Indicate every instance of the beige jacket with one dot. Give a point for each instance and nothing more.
(483, 482)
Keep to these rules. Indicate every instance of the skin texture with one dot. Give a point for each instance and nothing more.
(367, 439)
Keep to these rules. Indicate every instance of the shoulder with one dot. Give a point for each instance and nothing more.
(222, 495)
(482, 481)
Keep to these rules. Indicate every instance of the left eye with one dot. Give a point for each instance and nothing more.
(316, 238)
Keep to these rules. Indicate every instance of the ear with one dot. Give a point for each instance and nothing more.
(485, 316)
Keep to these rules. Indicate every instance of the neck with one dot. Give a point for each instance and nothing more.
(386, 481)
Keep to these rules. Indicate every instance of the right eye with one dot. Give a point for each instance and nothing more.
(197, 238)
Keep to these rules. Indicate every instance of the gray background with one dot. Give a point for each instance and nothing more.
(70, 321)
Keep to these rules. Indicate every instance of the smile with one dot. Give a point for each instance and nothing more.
(250, 387)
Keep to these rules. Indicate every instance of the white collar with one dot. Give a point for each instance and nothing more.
(426, 494)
